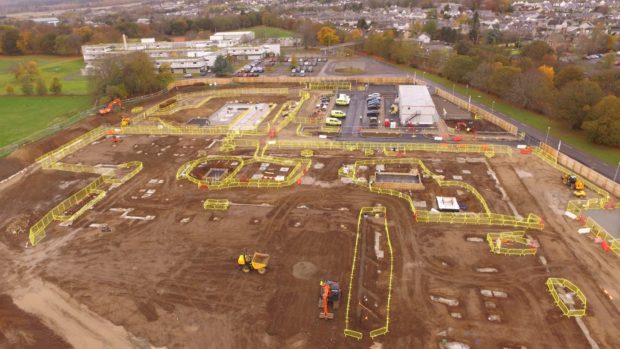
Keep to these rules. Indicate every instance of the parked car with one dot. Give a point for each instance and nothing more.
(338, 114)
(188, 76)
(332, 122)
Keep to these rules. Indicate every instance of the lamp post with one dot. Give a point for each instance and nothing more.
(547, 137)
(493, 107)
(617, 168)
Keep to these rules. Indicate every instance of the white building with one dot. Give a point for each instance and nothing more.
(183, 57)
(416, 105)
(47, 20)
(227, 39)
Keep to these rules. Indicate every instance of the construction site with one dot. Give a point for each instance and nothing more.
(219, 217)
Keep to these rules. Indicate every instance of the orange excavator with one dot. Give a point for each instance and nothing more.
(329, 294)
(114, 103)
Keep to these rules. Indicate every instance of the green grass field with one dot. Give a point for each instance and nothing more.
(24, 116)
(576, 139)
(263, 32)
(66, 69)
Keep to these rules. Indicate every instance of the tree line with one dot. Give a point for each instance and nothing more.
(30, 81)
(533, 79)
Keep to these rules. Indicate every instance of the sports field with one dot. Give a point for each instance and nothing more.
(262, 31)
(66, 69)
(24, 116)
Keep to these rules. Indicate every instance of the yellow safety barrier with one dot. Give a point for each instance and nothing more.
(216, 204)
(69, 148)
(136, 110)
(553, 283)
(438, 179)
(497, 240)
(59, 212)
(384, 329)
(329, 85)
(576, 206)
(424, 216)
(400, 148)
(602, 233)
(299, 167)
(307, 153)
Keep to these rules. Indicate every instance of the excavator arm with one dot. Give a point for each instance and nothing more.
(326, 291)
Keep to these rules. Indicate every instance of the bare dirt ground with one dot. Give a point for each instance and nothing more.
(165, 273)
(172, 281)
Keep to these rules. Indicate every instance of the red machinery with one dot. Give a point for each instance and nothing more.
(114, 103)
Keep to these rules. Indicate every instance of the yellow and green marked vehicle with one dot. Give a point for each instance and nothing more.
(343, 99)
(338, 114)
(332, 122)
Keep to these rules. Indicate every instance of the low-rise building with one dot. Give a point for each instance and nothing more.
(183, 57)
(416, 106)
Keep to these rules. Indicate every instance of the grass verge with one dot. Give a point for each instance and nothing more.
(66, 69)
(23, 116)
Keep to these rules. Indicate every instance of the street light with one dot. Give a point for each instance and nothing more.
(617, 168)
(493, 107)
(547, 137)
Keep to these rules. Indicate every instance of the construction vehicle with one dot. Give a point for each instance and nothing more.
(465, 126)
(394, 109)
(575, 184)
(258, 262)
(116, 103)
(125, 121)
(329, 295)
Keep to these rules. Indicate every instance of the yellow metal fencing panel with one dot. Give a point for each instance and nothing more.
(69, 148)
(216, 204)
(602, 233)
(400, 148)
(567, 310)
(348, 332)
(59, 213)
(298, 168)
(497, 244)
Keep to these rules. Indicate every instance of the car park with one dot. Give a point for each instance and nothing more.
(338, 114)
(332, 122)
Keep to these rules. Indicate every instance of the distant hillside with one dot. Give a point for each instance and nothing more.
(16, 6)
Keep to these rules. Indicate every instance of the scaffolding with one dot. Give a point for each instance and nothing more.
(568, 309)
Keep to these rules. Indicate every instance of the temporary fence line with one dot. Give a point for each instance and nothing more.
(567, 310)
(437, 178)
(292, 115)
(72, 146)
(329, 85)
(347, 331)
(397, 147)
(496, 241)
(299, 168)
(385, 329)
(58, 213)
(216, 204)
(602, 233)
(577, 207)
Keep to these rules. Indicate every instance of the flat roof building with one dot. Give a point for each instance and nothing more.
(416, 106)
(183, 57)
